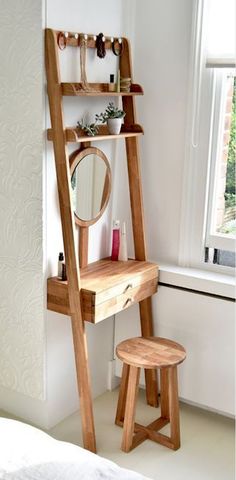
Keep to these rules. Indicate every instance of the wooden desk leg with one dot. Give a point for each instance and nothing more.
(83, 380)
(147, 331)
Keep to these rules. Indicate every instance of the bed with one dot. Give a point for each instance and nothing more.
(27, 453)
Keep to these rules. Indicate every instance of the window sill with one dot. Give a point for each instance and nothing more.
(207, 282)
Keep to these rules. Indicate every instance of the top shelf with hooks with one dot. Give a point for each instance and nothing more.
(73, 39)
(97, 89)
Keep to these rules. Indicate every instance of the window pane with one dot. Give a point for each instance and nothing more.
(225, 201)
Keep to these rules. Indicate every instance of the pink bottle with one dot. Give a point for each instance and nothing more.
(115, 240)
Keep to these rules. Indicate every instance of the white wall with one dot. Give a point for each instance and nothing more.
(37, 358)
(204, 325)
(22, 329)
(161, 66)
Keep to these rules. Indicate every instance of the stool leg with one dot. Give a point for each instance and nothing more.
(127, 439)
(151, 387)
(174, 407)
(164, 376)
(120, 412)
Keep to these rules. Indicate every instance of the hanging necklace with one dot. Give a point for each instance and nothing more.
(100, 44)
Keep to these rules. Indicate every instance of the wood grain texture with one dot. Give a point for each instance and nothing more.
(71, 41)
(103, 289)
(67, 219)
(74, 134)
(165, 410)
(174, 408)
(83, 246)
(153, 352)
(97, 90)
(107, 287)
(130, 406)
(107, 278)
(75, 158)
(120, 412)
(145, 308)
(92, 311)
(137, 212)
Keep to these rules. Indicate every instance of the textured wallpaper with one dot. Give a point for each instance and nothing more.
(21, 214)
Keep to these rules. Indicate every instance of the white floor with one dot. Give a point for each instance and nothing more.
(206, 453)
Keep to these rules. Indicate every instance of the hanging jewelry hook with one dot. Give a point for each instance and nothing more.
(62, 40)
(117, 51)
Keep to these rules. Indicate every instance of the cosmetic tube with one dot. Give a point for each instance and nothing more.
(115, 240)
(123, 256)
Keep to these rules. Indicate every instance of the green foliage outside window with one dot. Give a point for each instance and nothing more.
(229, 224)
(230, 178)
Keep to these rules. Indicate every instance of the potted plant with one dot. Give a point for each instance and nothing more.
(113, 117)
(91, 129)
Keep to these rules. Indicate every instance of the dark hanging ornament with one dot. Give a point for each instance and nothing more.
(100, 44)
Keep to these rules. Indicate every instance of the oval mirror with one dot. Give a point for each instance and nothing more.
(91, 184)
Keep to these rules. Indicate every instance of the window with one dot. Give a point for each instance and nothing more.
(221, 222)
(207, 238)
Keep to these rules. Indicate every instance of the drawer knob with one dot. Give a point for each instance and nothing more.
(128, 286)
(129, 300)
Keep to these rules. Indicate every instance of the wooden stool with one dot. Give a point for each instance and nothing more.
(150, 353)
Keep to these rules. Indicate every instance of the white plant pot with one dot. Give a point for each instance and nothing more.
(114, 125)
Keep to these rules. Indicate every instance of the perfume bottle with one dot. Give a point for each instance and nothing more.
(123, 256)
(60, 265)
(112, 85)
(115, 240)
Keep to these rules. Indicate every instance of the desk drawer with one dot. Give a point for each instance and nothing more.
(107, 288)
(99, 311)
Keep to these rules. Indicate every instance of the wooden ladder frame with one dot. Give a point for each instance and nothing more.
(68, 226)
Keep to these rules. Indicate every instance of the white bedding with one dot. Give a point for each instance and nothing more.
(27, 453)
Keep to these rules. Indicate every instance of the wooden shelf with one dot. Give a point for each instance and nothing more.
(104, 288)
(98, 89)
(107, 288)
(74, 134)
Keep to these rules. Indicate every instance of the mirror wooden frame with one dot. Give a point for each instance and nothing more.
(75, 158)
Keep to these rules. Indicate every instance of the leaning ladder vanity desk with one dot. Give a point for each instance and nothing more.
(101, 289)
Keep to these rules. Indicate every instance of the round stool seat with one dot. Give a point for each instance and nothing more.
(150, 352)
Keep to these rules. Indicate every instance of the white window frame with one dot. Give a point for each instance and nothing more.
(197, 179)
(217, 240)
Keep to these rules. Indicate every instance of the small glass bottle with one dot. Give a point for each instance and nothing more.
(112, 85)
(60, 265)
(64, 275)
(115, 240)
